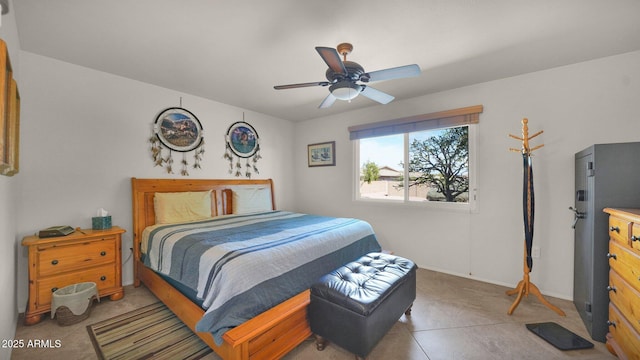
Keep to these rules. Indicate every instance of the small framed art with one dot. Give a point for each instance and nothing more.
(321, 154)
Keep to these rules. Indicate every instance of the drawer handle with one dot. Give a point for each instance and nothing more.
(611, 323)
(612, 288)
(615, 228)
(103, 253)
(612, 256)
(103, 278)
(635, 238)
(54, 289)
(54, 262)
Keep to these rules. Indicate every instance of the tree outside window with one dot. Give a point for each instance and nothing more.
(441, 162)
(370, 172)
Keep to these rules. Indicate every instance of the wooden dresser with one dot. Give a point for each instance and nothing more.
(85, 255)
(623, 338)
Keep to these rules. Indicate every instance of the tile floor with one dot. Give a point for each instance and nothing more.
(453, 318)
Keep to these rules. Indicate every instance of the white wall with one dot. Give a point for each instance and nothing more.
(576, 106)
(9, 202)
(85, 134)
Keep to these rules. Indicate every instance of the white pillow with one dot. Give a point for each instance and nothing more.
(251, 200)
(171, 208)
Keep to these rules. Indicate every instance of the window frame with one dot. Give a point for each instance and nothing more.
(436, 120)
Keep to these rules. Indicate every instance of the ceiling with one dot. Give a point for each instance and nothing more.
(234, 52)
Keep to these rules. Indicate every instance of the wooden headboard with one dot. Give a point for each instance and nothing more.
(143, 191)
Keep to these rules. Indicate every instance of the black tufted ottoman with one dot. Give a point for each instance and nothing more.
(354, 306)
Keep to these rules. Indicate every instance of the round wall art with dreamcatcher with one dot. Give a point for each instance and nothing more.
(177, 129)
(242, 142)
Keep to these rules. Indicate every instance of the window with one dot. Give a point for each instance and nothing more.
(428, 158)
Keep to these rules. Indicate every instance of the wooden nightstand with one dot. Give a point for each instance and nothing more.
(85, 255)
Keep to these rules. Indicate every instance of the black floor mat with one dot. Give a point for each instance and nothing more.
(558, 336)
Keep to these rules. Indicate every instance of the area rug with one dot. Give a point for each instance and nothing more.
(151, 332)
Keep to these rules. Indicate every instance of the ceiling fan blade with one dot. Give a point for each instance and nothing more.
(332, 58)
(327, 102)
(376, 95)
(293, 86)
(392, 73)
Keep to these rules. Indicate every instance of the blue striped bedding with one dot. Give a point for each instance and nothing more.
(242, 265)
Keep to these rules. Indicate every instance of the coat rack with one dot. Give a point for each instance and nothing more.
(525, 286)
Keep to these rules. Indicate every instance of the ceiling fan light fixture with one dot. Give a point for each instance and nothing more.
(345, 90)
(344, 77)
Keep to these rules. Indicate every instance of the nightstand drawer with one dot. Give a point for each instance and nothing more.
(625, 298)
(103, 276)
(56, 259)
(619, 230)
(625, 263)
(625, 336)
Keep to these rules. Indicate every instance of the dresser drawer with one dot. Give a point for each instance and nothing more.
(625, 298)
(619, 230)
(103, 276)
(635, 238)
(625, 336)
(56, 259)
(625, 263)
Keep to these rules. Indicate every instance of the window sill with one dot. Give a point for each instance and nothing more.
(435, 205)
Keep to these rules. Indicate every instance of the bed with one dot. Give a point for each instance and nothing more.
(267, 333)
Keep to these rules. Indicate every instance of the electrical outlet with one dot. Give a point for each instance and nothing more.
(535, 252)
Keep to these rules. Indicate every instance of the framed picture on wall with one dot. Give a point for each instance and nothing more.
(321, 154)
(13, 131)
(9, 116)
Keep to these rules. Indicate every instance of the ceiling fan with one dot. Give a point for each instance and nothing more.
(345, 77)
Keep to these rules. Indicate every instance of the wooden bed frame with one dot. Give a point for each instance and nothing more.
(269, 335)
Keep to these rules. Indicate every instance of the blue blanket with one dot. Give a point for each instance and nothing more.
(243, 265)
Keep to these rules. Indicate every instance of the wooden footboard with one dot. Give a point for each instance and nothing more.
(269, 335)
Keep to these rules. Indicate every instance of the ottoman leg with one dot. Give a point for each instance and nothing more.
(321, 342)
(408, 311)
